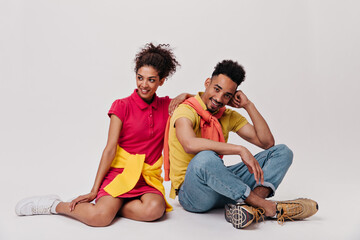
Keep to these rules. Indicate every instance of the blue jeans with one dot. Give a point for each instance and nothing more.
(210, 184)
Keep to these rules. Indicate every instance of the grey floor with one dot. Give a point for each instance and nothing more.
(335, 220)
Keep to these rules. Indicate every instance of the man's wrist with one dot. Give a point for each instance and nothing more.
(241, 150)
(249, 105)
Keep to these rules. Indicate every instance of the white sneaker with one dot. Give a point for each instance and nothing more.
(36, 205)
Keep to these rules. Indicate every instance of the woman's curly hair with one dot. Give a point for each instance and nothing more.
(160, 57)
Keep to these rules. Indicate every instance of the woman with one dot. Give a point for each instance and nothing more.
(128, 179)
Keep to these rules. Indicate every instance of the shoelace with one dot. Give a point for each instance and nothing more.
(39, 210)
(288, 210)
(259, 214)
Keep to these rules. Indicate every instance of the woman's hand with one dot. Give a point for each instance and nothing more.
(81, 199)
(177, 101)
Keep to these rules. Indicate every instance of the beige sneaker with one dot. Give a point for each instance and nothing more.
(242, 215)
(295, 209)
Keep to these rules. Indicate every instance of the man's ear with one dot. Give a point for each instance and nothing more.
(207, 82)
(162, 81)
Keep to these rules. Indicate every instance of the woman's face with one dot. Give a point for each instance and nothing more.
(147, 82)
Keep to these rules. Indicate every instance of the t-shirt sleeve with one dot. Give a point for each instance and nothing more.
(237, 121)
(183, 111)
(119, 109)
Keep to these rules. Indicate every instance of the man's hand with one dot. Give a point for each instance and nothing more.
(244, 101)
(239, 100)
(252, 164)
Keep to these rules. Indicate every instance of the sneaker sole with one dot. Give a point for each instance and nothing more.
(238, 216)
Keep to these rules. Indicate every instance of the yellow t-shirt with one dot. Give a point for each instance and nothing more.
(179, 159)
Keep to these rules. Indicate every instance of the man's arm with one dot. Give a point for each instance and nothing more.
(259, 133)
(194, 145)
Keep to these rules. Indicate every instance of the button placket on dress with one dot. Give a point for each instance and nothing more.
(151, 122)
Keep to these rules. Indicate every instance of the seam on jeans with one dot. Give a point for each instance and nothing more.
(224, 186)
(244, 196)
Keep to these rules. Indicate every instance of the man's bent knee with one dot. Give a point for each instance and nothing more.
(285, 152)
(196, 209)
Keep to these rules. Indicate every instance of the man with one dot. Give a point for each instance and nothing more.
(198, 133)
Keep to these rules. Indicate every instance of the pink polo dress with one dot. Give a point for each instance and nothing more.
(142, 132)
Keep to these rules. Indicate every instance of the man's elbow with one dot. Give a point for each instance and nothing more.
(189, 148)
(269, 144)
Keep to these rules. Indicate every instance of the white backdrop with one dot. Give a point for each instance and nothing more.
(62, 64)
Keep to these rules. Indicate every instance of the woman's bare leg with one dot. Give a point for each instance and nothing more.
(97, 215)
(149, 207)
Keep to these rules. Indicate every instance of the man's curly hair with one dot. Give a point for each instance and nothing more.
(231, 69)
(160, 57)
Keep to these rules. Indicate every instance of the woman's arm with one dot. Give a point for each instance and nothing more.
(105, 162)
(177, 101)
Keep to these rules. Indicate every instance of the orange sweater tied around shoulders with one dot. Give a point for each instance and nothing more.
(209, 125)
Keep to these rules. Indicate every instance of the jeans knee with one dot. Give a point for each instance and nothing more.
(286, 152)
(196, 210)
(199, 208)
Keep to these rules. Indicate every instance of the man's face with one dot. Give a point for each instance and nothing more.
(218, 92)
